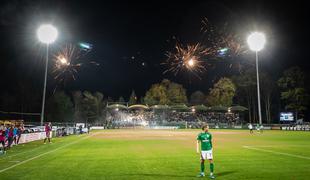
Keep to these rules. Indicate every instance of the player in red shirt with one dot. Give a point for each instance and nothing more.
(48, 129)
(2, 139)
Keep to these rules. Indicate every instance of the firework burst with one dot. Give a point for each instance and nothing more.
(233, 44)
(215, 44)
(224, 40)
(65, 63)
(68, 62)
(186, 58)
(229, 46)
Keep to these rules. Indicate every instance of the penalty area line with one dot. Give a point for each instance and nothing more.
(275, 152)
(48, 152)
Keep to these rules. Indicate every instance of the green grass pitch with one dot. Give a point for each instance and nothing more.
(160, 154)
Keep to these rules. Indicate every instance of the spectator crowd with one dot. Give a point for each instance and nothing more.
(10, 136)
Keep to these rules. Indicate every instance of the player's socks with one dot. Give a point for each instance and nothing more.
(202, 167)
(211, 168)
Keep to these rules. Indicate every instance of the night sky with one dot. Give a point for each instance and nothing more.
(130, 40)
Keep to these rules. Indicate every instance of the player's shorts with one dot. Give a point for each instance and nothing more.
(206, 154)
(47, 134)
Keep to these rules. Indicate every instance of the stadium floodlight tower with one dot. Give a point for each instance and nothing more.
(47, 34)
(256, 42)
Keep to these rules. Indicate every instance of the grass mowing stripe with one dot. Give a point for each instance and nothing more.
(35, 157)
(275, 152)
(164, 155)
(6, 157)
(24, 152)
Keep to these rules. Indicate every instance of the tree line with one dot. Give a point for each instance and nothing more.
(288, 93)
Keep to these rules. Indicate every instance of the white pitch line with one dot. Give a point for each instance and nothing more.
(35, 157)
(34, 149)
(275, 152)
(6, 157)
(268, 146)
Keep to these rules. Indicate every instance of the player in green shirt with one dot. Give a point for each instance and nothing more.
(205, 140)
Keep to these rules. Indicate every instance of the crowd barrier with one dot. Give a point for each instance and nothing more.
(296, 128)
(25, 138)
(163, 127)
(97, 127)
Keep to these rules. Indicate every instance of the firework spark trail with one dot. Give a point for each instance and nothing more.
(67, 63)
(228, 44)
(192, 58)
(215, 44)
(235, 48)
(223, 38)
(187, 58)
